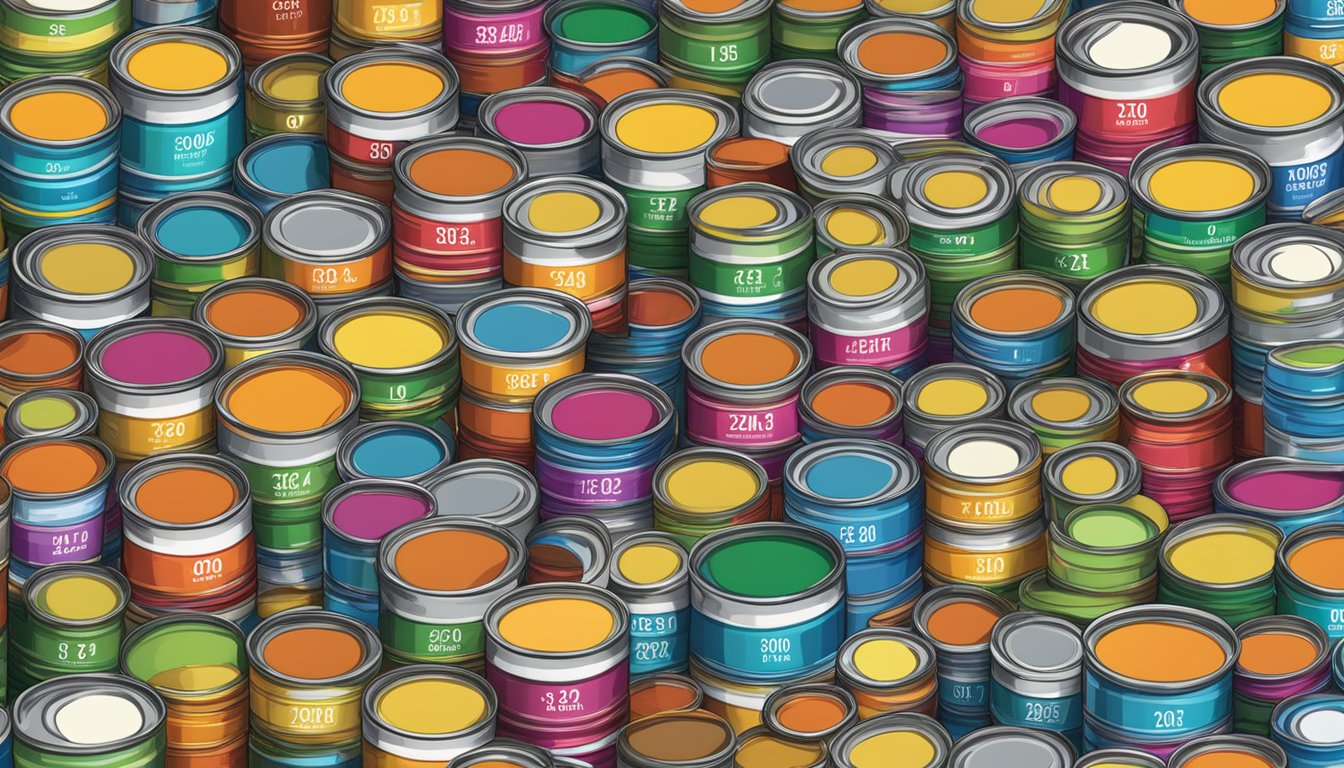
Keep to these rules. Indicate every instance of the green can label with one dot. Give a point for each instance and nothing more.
(292, 484)
(1074, 263)
(1202, 234)
(748, 281)
(659, 211)
(970, 242)
(431, 641)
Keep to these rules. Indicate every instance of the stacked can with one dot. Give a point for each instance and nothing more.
(1075, 222)
(1288, 111)
(1065, 411)
(1303, 726)
(377, 102)
(495, 47)
(912, 86)
(1128, 72)
(842, 161)
(1090, 473)
(1306, 577)
(393, 451)
(35, 354)
(1103, 556)
(488, 490)
(84, 277)
(1152, 317)
(868, 495)
(1281, 657)
(958, 621)
(356, 515)
(1252, 488)
(661, 313)
(399, 731)
(807, 716)
(514, 343)
(651, 573)
(858, 223)
(1025, 131)
(889, 670)
(1229, 33)
(43, 39)
(70, 622)
(198, 240)
(262, 33)
(281, 420)
(697, 491)
(274, 168)
(1314, 30)
(713, 47)
(804, 30)
(585, 33)
(963, 225)
(1157, 702)
(1016, 325)
(59, 137)
(334, 246)
(256, 316)
(186, 13)
(89, 718)
(284, 95)
(751, 249)
(361, 24)
(1006, 51)
(869, 308)
(985, 521)
(948, 395)
(653, 151)
(1223, 564)
(852, 401)
(181, 95)
(1286, 287)
(1036, 675)
(1303, 400)
(785, 101)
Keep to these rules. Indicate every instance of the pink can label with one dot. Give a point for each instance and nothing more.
(492, 34)
(881, 350)
(1131, 117)
(732, 425)
(561, 705)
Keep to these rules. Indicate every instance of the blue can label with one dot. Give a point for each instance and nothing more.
(963, 693)
(658, 641)
(769, 653)
(192, 149)
(1058, 714)
(1297, 185)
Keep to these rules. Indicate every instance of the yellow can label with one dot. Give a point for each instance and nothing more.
(128, 436)
(1325, 51)
(332, 718)
(371, 18)
(516, 384)
(984, 568)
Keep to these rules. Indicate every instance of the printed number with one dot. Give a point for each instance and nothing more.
(1036, 712)
(449, 635)
(857, 534)
(169, 429)
(210, 566)
(310, 716)
(452, 236)
(990, 565)
(293, 122)
(396, 392)
(565, 278)
(723, 53)
(383, 14)
(76, 651)
(1169, 718)
(776, 645)
(380, 150)
(1132, 110)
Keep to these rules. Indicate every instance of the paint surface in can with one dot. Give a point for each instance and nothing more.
(1189, 653)
(431, 706)
(86, 268)
(1225, 556)
(1317, 562)
(537, 123)
(254, 313)
(389, 87)
(853, 403)
(478, 559)
(1201, 185)
(388, 340)
(748, 359)
(397, 453)
(200, 231)
(767, 566)
(185, 496)
(290, 399)
(53, 467)
(155, 357)
(711, 485)
(531, 625)
(58, 116)
(37, 353)
(666, 128)
(1145, 307)
(313, 653)
(172, 65)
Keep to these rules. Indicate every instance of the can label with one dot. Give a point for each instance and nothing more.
(425, 640)
(282, 484)
(446, 238)
(1131, 118)
(1327, 51)
(773, 652)
(582, 281)
(358, 149)
(963, 693)
(1327, 614)
(714, 54)
(515, 383)
(1062, 713)
(724, 424)
(969, 242)
(1297, 185)
(128, 436)
(561, 704)
(658, 641)
(1202, 234)
(194, 149)
(319, 279)
(75, 653)
(1075, 264)
(886, 349)
(388, 18)
(495, 33)
(615, 487)
(746, 281)
(659, 210)
(75, 543)
(187, 574)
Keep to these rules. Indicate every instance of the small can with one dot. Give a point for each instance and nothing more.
(692, 739)
(89, 719)
(1306, 577)
(1089, 473)
(1304, 726)
(787, 100)
(1036, 674)
(284, 95)
(570, 548)
(516, 341)
(1256, 488)
(393, 450)
(274, 168)
(71, 623)
(649, 572)
(1302, 399)
(889, 670)
(1109, 550)
(713, 48)
(399, 730)
(307, 673)
(832, 162)
(556, 129)
(1281, 657)
(912, 86)
(1017, 325)
(1065, 411)
(983, 748)
(59, 139)
(869, 308)
(698, 491)
(1008, 51)
(255, 316)
(663, 692)
(1023, 131)
(51, 413)
(852, 401)
(983, 475)
(1075, 222)
(735, 159)
(803, 30)
(263, 33)
(198, 240)
(947, 395)
(57, 516)
(488, 490)
(356, 516)
(808, 712)
(432, 608)
(35, 354)
(1183, 324)
(1197, 571)
(958, 621)
(82, 276)
(661, 313)
(584, 34)
(334, 246)
(876, 737)
(858, 222)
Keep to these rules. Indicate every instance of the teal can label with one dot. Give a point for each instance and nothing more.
(183, 150)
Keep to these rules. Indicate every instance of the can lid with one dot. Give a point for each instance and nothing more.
(801, 93)
(1011, 747)
(87, 714)
(1037, 644)
(322, 225)
(492, 490)
(851, 472)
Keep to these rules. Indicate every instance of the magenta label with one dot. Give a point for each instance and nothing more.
(729, 425)
(155, 358)
(538, 123)
(561, 705)
(1131, 117)
(58, 544)
(494, 33)
(372, 515)
(616, 487)
(985, 83)
(882, 350)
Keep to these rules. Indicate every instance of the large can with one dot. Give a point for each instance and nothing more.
(84, 277)
(334, 246)
(59, 493)
(958, 621)
(425, 714)
(1303, 401)
(1307, 580)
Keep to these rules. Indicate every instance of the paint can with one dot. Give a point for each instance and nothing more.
(334, 246)
(650, 573)
(661, 313)
(763, 746)
(803, 30)
(1302, 401)
(1183, 324)
(265, 32)
(1230, 34)
(786, 100)
(1089, 473)
(1306, 727)
(735, 159)
(663, 692)
(256, 316)
(875, 739)
(603, 81)
(751, 248)
(693, 739)
(284, 95)
(1306, 577)
(267, 752)
(403, 724)
(86, 277)
(1065, 411)
(1017, 325)
(888, 670)
(946, 395)
(1281, 657)
(566, 690)
(1313, 30)
(852, 401)
(181, 94)
(714, 48)
(495, 48)
(998, 560)
(393, 450)
(515, 752)
(1108, 550)
(198, 240)
(1289, 112)
(869, 308)
(567, 233)
(831, 162)
(1023, 131)
(60, 38)
(699, 491)
(436, 579)
(163, 13)
(1157, 702)
(983, 476)
(56, 516)
(378, 101)
(1128, 73)
(87, 720)
(587, 33)
(808, 712)
(570, 548)
(1198, 570)
(1075, 222)
(1119, 757)
(488, 490)
(59, 138)
(912, 86)
(35, 354)
(858, 222)
(365, 23)
(555, 129)
(71, 623)
(942, 13)
(988, 746)
(272, 169)
(1008, 51)
(1036, 675)
(51, 413)
(653, 152)
(957, 621)
(1290, 493)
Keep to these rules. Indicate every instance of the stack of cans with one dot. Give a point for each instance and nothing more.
(1018, 326)
(1075, 222)
(958, 621)
(1304, 401)
(869, 308)
(1281, 657)
(912, 86)
(713, 47)
(662, 313)
(1006, 51)
(495, 48)
(61, 39)
(1105, 556)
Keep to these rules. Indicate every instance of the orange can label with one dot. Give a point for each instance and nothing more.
(582, 282)
(516, 384)
(188, 574)
(318, 279)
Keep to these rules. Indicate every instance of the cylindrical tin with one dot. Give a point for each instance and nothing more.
(1182, 324)
(1232, 33)
(88, 720)
(809, 712)
(59, 138)
(858, 222)
(1223, 564)
(272, 169)
(983, 748)
(785, 101)
(957, 621)
(556, 129)
(1281, 657)
(852, 401)
(948, 395)
(698, 491)
(869, 308)
(691, 739)
(831, 162)
(876, 737)
(983, 475)
(1119, 757)
(57, 514)
(661, 313)
(1306, 576)
(393, 451)
(83, 276)
(889, 670)
(267, 31)
(496, 46)
(663, 692)
(713, 48)
(401, 730)
(198, 240)
(56, 38)
(1302, 399)
(1108, 550)
(356, 516)
(1023, 131)
(256, 316)
(487, 490)
(1036, 674)
(1065, 411)
(162, 13)
(198, 664)
(604, 81)
(1257, 487)
(649, 572)
(181, 94)
(1075, 222)
(997, 559)
(1089, 473)
(571, 548)
(1017, 325)
(736, 159)
(284, 95)
(1305, 727)
(50, 413)
(1288, 111)
(35, 354)
(585, 33)
(912, 86)
(71, 623)
(364, 23)
(1007, 52)
(803, 30)
(334, 246)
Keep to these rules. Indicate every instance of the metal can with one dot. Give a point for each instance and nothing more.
(1007, 52)
(1017, 325)
(713, 48)
(1289, 112)
(888, 670)
(767, 602)
(571, 548)
(735, 159)
(71, 623)
(649, 572)
(803, 30)
(661, 313)
(1108, 550)
(363, 22)
(256, 316)
(181, 94)
(997, 559)
(556, 129)
(393, 451)
(1074, 220)
(1302, 398)
(1306, 577)
(264, 32)
(852, 401)
(957, 621)
(813, 713)
(198, 240)
(785, 100)
(1228, 35)
(986, 747)
(982, 476)
(1260, 488)
(86, 277)
(1310, 29)
(57, 514)
(87, 720)
(1066, 411)
(869, 308)
(1128, 73)
(1281, 657)
(763, 746)
(831, 162)
(693, 739)
(335, 246)
(56, 38)
(1183, 324)
(1235, 587)
(1119, 757)
(947, 395)
(874, 739)
(432, 611)
(515, 752)
(912, 86)
(1036, 674)
(59, 139)
(51, 413)
(162, 13)
(1157, 702)
(1023, 131)
(567, 233)
(510, 49)
(401, 728)
(488, 490)
(663, 692)
(1304, 726)
(858, 222)
(35, 354)
(698, 491)
(284, 95)
(275, 168)
(378, 101)
(587, 33)
(653, 152)
(356, 516)
(1089, 473)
